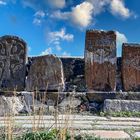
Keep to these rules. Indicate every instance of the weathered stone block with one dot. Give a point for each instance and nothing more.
(12, 63)
(101, 96)
(45, 73)
(100, 60)
(131, 67)
(74, 73)
(121, 106)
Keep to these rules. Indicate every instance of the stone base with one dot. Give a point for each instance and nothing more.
(121, 106)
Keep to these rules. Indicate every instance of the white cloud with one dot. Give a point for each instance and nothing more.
(58, 48)
(57, 3)
(47, 51)
(83, 14)
(3, 2)
(37, 21)
(80, 15)
(38, 17)
(121, 38)
(40, 13)
(66, 53)
(98, 5)
(60, 15)
(57, 36)
(118, 8)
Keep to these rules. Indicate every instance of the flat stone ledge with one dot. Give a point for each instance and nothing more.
(121, 105)
(106, 134)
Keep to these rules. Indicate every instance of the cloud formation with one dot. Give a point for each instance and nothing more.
(38, 17)
(54, 38)
(118, 8)
(121, 38)
(47, 51)
(57, 3)
(57, 36)
(84, 13)
(2, 2)
(80, 15)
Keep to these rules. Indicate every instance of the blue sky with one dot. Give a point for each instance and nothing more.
(58, 26)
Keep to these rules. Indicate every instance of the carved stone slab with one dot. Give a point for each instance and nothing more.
(100, 60)
(12, 63)
(45, 73)
(131, 67)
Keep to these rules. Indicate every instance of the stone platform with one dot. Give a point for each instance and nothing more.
(103, 127)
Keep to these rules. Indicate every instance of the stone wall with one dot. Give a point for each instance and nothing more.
(100, 70)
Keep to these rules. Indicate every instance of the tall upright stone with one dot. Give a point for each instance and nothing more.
(100, 60)
(45, 73)
(131, 67)
(12, 63)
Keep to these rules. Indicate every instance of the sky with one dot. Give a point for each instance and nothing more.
(59, 26)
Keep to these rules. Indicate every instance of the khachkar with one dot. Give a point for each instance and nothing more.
(45, 73)
(12, 63)
(131, 67)
(100, 60)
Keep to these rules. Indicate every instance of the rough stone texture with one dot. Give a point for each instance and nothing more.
(104, 134)
(100, 60)
(119, 86)
(101, 96)
(121, 105)
(74, 73)
(10, 105)
(45, 73)
(12, 63)
(131, 67)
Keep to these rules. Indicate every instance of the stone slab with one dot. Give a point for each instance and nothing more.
(45, 73)
(121, 105)
(100, 60)
(131, 67)
(110, 134)
(101, 96)
(12, 63)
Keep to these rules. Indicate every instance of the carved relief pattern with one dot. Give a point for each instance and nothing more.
(12, 63)
(100, 60)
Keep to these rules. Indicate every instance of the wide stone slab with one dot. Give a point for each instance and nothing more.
(131, 67)
(121, 106)
(45, 73)
(100, 60)
(101, 96)
(104, 134)
(12, 63)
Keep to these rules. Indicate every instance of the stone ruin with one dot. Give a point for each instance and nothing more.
(99, 75)
(99, 70)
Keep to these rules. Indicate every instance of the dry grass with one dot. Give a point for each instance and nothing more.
(62, 125)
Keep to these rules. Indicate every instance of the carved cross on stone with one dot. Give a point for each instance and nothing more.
(12, 63)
